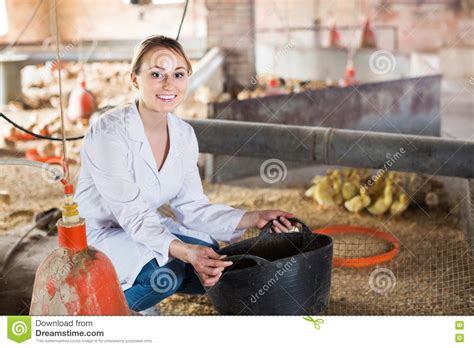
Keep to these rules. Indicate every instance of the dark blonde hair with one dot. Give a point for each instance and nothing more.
(158, 41)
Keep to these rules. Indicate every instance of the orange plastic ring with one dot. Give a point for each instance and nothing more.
(361, 262)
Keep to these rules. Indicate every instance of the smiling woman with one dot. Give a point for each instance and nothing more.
(137, 157)
(160, 71)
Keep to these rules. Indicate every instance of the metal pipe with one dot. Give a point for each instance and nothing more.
(57, 174)
(330, 146)
(205, 69)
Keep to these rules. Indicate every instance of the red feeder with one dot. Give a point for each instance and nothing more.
(368, 36)
(76, 279)
(81, 104)
(334, 37)
(273, 87)
(273, 83)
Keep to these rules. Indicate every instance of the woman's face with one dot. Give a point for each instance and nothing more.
(162, 80)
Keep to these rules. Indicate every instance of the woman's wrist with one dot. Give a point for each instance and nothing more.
(249, 220)
(179, 250)
(260, 218)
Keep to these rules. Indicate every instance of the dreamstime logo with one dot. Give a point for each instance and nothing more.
(382, 280)
(391, 160)
(273, 170)
(163, 59)
(19, 328)
(268, 69)
(282, 269)
(54, 283)
(163, 280)
(382, 62)
(52, 65)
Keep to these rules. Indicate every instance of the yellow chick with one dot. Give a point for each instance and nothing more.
(365, 175)
(324, 193)
(317, 179)
(357, 203)
(350, 188)
(398, 178)
(375, 185)
(355, 177)
(337, 187)
(309, 193)
(391, 175)
(347, 172)
(400, 205)
(383, 203)
(332, 174)
(335, 178)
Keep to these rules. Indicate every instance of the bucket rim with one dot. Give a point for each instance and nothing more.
(329, 245)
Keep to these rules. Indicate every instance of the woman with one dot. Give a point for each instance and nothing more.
(137, 157)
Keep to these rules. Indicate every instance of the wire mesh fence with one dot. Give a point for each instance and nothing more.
(425, 278)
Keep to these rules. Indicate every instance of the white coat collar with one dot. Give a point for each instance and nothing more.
(136, 132)
(134, 123)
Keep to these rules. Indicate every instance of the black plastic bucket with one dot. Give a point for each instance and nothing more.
(276, 274)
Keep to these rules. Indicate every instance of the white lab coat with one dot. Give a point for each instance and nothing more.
(120, 189)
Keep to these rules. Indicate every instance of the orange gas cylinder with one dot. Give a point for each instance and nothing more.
(368, 36)
(81, 104)
(334, 36)
(76, 279)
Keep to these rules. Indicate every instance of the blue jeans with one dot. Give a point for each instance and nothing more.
(154, 283)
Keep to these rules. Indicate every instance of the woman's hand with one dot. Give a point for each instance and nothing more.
(259, 218)
(280, 223)
(206, 262)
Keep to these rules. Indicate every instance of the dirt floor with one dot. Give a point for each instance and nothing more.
(433, 273)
